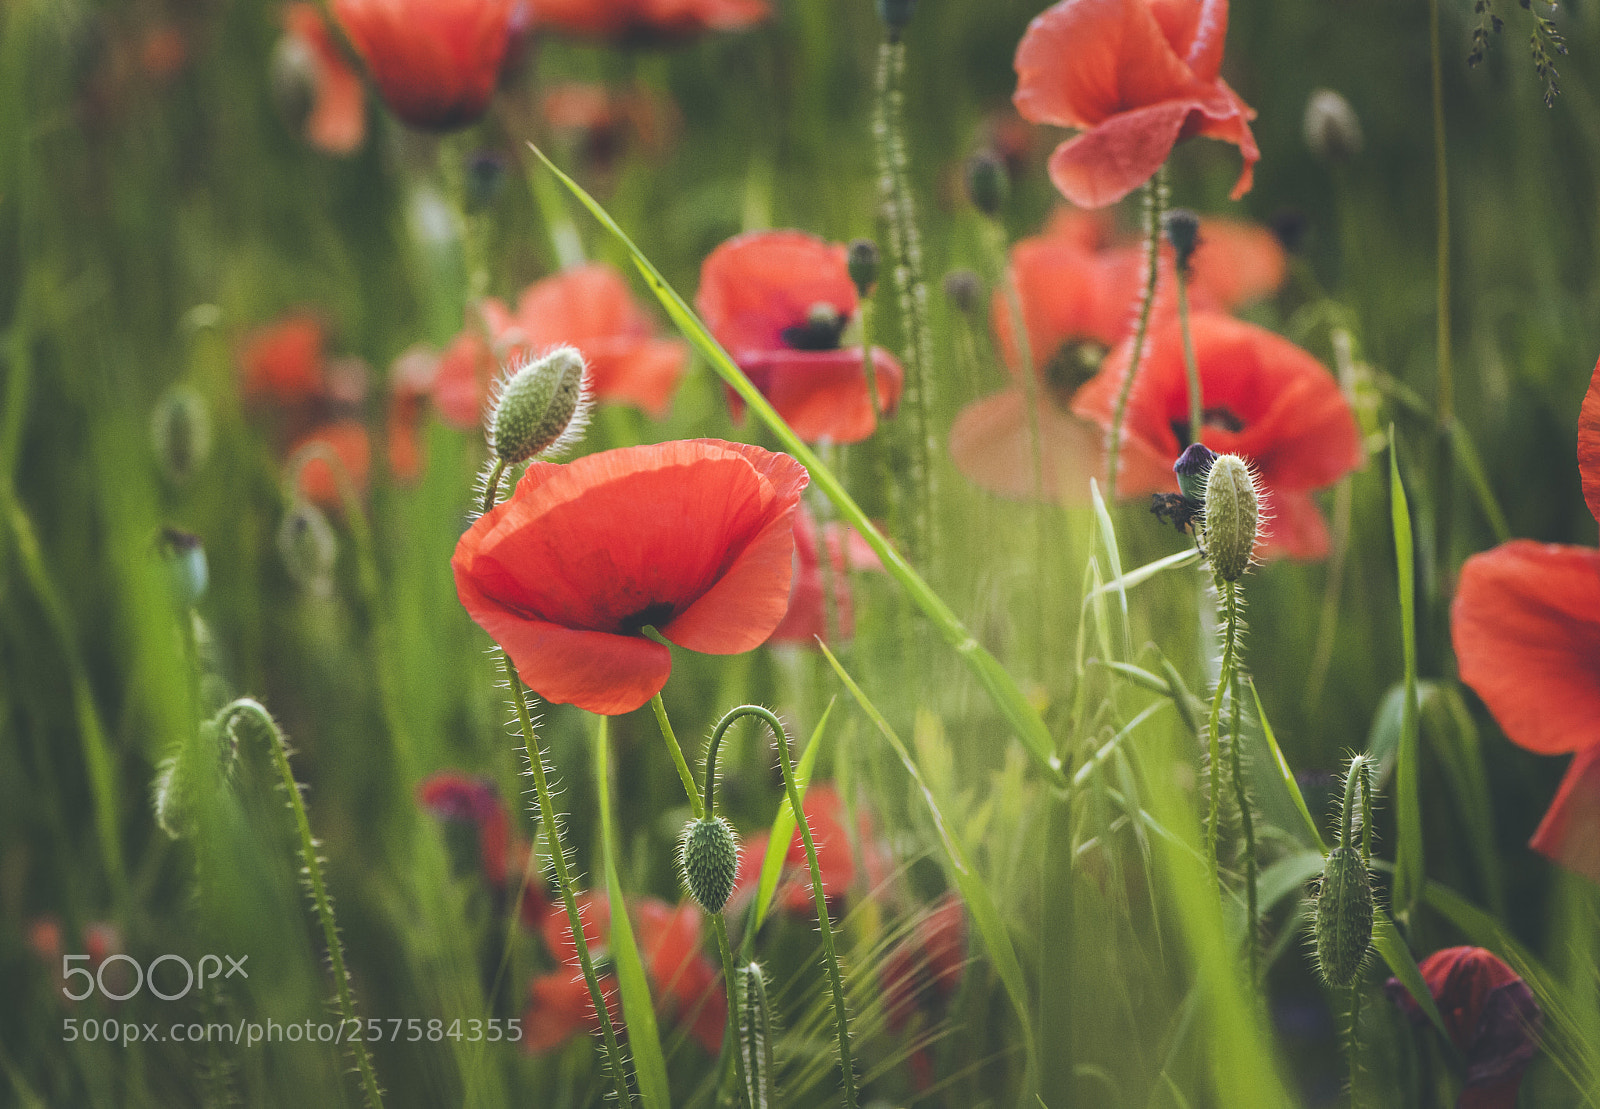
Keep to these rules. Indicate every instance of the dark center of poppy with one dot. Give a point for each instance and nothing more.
(1073, 363)
(1223, 418)
(822, 329)
(651, 615)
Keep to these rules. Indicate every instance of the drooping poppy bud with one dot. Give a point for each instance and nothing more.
(1232, 514)
(708, 860)
(1344, 907)
(862, 259)
(539, 407)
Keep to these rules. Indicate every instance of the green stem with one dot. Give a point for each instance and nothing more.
(491, 485)
(1155, 205)
(1353, 1047)
(321, 903)
(1224, 677)
(730, 981)
(1190, 366)
(1241, 796)
(564, 883)
(792, 788)
(696, 806)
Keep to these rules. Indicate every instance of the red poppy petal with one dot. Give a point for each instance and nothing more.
(1570, 831)
(1105, 164)
(1230, 123)
(823, 394)
(990, 444)
(349, 444)
(598, 672)
(644, 374)
(1589, 444)
(1236, 263)
(1526, 627)
(1293, 527)
(755, 286)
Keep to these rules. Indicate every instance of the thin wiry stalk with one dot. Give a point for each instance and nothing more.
(1191, 367)
(730, 979)
(1224, 677)
(316, 886)
(905, 247)
(696, 806)
(1241, 796)
(1155, 206)
(835, 978)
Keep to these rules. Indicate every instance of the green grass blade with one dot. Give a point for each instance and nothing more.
(1308, 833)
(1142, 574)
(1408, 870)
(644, 1038)
(996, 681)
(783, 824)
(980, 903)
(1467, 458)
(1108, 540)
(1392, 949)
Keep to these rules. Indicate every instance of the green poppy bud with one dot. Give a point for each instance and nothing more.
(862, 259)
(1332, 128)
(988, 183)
(308, 546)
(1344, 917)
(1232, 513)
(180, 432)
(539, 406)
(709, 861)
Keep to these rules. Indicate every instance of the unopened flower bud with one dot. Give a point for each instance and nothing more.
(988, 183)
(1193, 467)
(1344, 916)
(709, 861)
(1232, 512)
(756, 1035)
(308, 546)
(180, 432)
(862, 261)
(896, 14)
(1182, 229)
(187, 572)
(964, 290)
(485, 175)
(1332, 128)
(540, 403)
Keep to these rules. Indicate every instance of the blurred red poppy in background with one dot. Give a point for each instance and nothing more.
(436, 62)
(1491, 1015)
(694, 538)
(337, 121)
(474, 801)
(813, 592)
(1264, 399)
(646, 21)
(1526, 627)
(825, 816)
(1136, 77)
(687, 983)
(347, 441)
(922, 973)
(779, 302)
(559, 1005)
(284, 361)
(411, 379)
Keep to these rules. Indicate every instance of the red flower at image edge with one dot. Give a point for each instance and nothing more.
(813, 592)
(780, 301)
(1492, 1018)
(1526, 628)
(436, 62)
(1136, 77)
(694, 538)
(1264, 399)
(338, 119)
(647, 20)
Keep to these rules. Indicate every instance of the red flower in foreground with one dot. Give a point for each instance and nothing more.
(648, 20)
(1526, 628)
(780, 301)
(1492, 1018)
(694, 538)
(338, 119)
(813, 592)
(436, 62)
(1137, 77)
(1264, 399)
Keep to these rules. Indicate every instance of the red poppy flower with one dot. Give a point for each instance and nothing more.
(473, 801)
(436, 62)
(694, 538)
(780, 301)
(348, 441)
(807, 618)
(1137, 77)
(922, 974)
(687, 984)
(559, 1005)
(1491, 1016)
(1265, 399)
(648, 20)
(1526, 628)
(467, 369)
(338, 119)
(284, 361)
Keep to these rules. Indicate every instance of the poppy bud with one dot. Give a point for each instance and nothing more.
(988, 183)
(964, 290)
(185, 557)
(293, 78)
(1182, 228)
(1332, 129)
(755, 1036)
(862, 262)
(1344, 917)
(180, 431)
(1193, 467)
(708, 860)
(1232, 512)
(896, 14)
(540, 403)
(486, 174)
(307, 544)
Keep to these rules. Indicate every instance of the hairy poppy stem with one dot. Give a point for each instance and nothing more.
(1353, 1045)
(792, 788)
(730, 980)
(316, 885)
(1224, 677)
(696, 806)
(1155, 205)
(1241, 796)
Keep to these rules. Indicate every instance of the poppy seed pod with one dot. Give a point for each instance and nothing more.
(538, 406)
(1232, 512)
(708, 860)
(895, 15)
(308, 546)
(1182, 229)
(1332, 128)
(988, 183)
(862, 260)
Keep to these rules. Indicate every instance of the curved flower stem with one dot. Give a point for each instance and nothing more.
(316, 885)
(1224, 678)
(564, 883)
(696, 806)
(1191, 367)
(1155, 205)
(835, 979)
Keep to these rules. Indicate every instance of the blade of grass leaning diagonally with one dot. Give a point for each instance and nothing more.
(980, 903)
(996, 681)
(649, 1064)
(1408, 876)
(783, 824)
